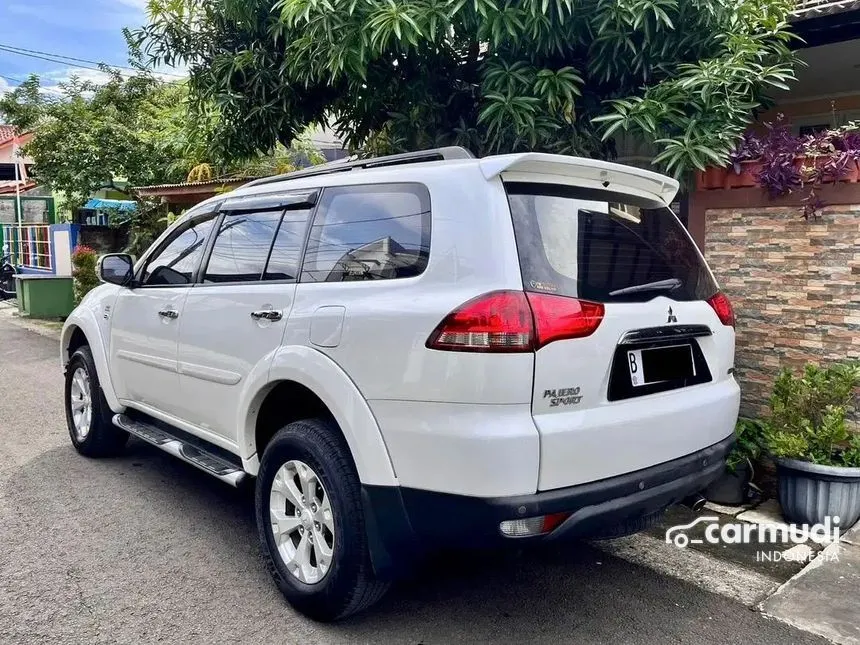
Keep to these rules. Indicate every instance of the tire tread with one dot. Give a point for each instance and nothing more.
(367, 589)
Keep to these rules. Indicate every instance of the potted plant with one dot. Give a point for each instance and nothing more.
(731, 488)
(711, 178)
(745, 162)
(817, 455)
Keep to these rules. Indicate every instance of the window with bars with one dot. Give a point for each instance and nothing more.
(29, 245)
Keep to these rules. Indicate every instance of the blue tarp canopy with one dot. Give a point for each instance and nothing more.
(97, 204)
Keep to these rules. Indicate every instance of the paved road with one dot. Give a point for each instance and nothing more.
(144, 549)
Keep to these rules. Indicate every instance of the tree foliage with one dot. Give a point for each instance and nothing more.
(131, 131)
(561, 76)
(92, 136)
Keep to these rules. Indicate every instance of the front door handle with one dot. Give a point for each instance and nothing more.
(267, 314)
(168, 313)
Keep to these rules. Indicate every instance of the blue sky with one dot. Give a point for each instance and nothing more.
(90, 29)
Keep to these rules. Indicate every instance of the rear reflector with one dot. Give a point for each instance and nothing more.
(515, 321)
(721, 305)
(530, 526)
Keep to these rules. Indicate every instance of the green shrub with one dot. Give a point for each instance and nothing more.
(808, 415)
(86, 279)
(748, 446)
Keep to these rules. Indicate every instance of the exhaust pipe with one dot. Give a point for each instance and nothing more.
(694, 502)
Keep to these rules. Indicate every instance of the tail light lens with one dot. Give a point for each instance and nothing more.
(513, 321)
(500, 321)
(558, 317)
(721, 305)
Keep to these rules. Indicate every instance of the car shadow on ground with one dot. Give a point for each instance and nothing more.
(145, 532)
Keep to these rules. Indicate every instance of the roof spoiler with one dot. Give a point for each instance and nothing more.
(577, 171)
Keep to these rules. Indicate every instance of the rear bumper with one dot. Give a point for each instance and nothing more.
(404, 522)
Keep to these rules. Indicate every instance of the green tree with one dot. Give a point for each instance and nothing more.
(90, 136)
(492, 75)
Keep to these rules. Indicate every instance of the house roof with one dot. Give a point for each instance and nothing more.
(8, 187)
(812, 8)
(7, 133)
(193, 184)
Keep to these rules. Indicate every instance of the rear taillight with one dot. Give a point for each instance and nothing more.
(558, 317)
(720, 304)
(500, 321)
(513, 321)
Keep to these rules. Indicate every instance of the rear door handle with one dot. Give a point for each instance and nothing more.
(267, 314)
(168, 313)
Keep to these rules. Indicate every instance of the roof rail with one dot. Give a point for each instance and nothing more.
(436, 154)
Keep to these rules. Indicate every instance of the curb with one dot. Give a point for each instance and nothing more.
(829, 550)
(43, 328)
(820, 626)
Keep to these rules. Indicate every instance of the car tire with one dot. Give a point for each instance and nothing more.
(88, 415)
(339, 558)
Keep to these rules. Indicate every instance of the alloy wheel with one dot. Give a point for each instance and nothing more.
(81, 403)
(302, 521)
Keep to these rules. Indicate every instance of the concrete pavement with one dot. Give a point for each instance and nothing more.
(143, 549)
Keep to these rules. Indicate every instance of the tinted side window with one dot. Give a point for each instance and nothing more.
(175, 263)
(287, 249)
(242, 246)
(369, 233)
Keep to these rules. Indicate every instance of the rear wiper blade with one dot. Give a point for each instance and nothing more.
(660, 285)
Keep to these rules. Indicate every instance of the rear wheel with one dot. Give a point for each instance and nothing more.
(311, 522)
(88, 416)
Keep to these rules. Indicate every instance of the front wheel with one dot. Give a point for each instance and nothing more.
(311, 522)
(88, 416)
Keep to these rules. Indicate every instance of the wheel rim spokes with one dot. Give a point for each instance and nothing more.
(302, 521)
(80, 403)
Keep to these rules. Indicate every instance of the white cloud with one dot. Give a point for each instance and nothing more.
(64, 75)
(52, 79)
(5, 86)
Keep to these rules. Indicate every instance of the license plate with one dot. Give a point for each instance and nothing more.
(660, 364)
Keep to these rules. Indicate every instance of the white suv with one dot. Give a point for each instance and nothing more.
(418, 351)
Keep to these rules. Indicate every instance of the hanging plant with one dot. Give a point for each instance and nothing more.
(782, 163)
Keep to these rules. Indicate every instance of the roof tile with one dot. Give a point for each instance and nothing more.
(6, 133)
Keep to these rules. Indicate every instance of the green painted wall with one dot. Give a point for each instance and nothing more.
(45, 296)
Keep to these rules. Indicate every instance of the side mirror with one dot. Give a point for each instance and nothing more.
(116, 268)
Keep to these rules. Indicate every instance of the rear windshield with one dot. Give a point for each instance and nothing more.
(604, 247)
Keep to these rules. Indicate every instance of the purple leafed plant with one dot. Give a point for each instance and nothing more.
(749, 148)
(790, 162)
(779, 174)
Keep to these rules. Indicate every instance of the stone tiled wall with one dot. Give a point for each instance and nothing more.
(795, 287)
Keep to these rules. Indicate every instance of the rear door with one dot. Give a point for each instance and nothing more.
(234, 317)
(652, 382)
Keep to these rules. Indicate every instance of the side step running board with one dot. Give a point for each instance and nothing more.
(194, 455)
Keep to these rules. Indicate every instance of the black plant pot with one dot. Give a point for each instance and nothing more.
(809, 493)
(731, 487)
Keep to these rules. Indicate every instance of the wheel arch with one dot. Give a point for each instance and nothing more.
(80, 329)
(307, 382)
